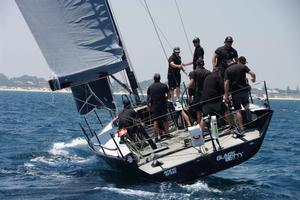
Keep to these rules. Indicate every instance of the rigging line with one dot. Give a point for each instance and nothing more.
(186, 37)
(155, 28)
(123, 45)
(162, 33)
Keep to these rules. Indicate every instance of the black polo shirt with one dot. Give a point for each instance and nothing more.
(199, 76)
(176, 60)
(213, 88)
(157, 91)
(198, 53)
(224, 55)
(236, 74)
(127, 118)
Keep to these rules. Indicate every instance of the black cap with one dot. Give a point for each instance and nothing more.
(228, 39)
(243, 60)
(126, 103)
(156, 77)
(200, 62)
(176, 50)
(196, 40)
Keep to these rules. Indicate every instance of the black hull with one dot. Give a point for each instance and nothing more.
(203, 165)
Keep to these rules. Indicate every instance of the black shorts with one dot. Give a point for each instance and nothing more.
(212, 108)
(159, 114)
(240, 99)
(196, 104)
(174, 80)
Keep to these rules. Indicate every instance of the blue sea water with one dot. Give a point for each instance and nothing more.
(43, 155)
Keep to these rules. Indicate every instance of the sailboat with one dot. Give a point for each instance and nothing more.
(83, 46)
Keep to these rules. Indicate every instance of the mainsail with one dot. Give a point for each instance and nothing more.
(80, 43)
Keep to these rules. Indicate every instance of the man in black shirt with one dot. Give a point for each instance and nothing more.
(157, 95)
(225, 56)
(236, 83)
(212, 96)
(128, 119)
(198, 53)
(174, 76)
(196, 83)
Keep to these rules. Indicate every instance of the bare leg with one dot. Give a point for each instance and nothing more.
(156, 129)
(239, 118)
(228, 119)
(177, 93)
(202, 124)
(186, 118)
(172, 95)
(200, 121)
(166, 126)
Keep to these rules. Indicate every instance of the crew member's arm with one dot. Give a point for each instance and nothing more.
(148, 98)
(168, 95)
(192, 84)
(253, 76)
(172, 64)
(187, 63)
(214, 60)
(226, 88)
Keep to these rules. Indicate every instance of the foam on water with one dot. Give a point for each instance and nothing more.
(130, 192)
(59, 147)
(199, 186)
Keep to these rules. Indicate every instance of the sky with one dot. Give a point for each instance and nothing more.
(266, 32)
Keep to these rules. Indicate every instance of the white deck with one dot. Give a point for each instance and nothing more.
(191, 153)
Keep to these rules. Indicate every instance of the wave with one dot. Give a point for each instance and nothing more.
(130, 192)
(199, 185)
(59, 147)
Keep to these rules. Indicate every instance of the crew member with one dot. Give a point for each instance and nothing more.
(225, 56)
(197, 78)
(128, 119)
(174, 76)
(157, 95)
(198, 53)
(212, 96)
(236, 83)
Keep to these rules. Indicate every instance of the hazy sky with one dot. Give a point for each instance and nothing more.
(267, 32)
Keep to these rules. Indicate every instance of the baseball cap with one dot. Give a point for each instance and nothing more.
(242, 60)
(228, 39)
(176, 50)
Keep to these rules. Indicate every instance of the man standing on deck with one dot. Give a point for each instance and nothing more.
(212, 96)
(198, 53)
(196, 83)
(225, 56)
(236, 83)
(157, 95)
(174, 76)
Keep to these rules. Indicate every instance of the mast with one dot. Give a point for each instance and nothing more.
(130, 74)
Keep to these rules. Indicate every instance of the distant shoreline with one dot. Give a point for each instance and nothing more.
(47, 90)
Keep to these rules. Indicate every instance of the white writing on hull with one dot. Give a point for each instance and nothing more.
(170, 171)
(230, 156)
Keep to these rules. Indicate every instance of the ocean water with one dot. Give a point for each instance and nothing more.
(43, 155)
